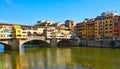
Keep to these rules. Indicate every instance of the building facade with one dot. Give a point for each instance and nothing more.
(85, 29)
(6, 31)
(70, 24)
(17, 31)
(106, 26)
(59, 33)
(80, 30)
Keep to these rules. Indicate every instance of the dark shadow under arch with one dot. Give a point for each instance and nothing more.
(36, 43)
(66, 42)
(6, 46)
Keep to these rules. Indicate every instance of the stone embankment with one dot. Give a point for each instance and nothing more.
(101, 43)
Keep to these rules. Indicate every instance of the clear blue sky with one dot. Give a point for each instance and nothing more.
(29, 11)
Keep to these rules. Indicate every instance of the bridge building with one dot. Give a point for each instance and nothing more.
(5, 31)
(15, 35)
(53, 32)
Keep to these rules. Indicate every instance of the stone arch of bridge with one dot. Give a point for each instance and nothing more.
(42, 41)
(64, 42)
(6, 46)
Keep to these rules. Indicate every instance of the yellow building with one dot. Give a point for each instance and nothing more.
(85, 29)
(104, 26)
(17, 31)
(90, 28)
(97, 28)
(108, 27)
(80, 29)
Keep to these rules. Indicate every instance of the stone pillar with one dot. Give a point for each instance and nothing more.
(53, 42)
(15, 43)
(80, 42)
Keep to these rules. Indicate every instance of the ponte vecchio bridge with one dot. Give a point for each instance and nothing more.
(14, 36)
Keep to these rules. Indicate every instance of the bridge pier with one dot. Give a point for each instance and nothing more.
(53, 42)
(15, 43)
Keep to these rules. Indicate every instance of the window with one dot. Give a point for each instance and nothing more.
(23, 32)
(110, 21)
(110, 28)
(106, 21)
(110, 31)
(106, 32)
(19, 31)
(106, 24)
(19, 35)
(110, 24)
(106, 28)
(116, 24)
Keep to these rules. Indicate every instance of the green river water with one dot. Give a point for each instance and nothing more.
(61, 58)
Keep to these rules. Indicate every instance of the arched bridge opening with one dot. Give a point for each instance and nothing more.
(35, 44)
(67, 42)
(6, 46)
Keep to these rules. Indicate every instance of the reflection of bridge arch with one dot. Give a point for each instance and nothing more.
(6, 45)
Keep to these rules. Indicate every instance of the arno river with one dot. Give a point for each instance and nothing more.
(61, 58)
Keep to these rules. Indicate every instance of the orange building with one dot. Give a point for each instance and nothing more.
(85, 29)
(90, 28)
(81, 30)
(116, 27)
(105, 26)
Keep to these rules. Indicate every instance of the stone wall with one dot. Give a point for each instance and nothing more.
(100, 43)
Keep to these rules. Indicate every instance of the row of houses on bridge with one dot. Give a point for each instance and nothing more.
(44, 29)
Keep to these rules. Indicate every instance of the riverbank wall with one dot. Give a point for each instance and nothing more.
(101, 43)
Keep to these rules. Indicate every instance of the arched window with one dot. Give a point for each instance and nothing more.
(34, 34)
(29, 34)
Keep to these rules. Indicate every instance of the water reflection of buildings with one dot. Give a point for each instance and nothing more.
(64, 58)
(5, 61)
(33, 60)
(40, 59)
(46, 59)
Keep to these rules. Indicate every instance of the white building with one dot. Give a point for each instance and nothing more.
(53, 32)
(6, 32)
(44, 22)
(109, 13)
